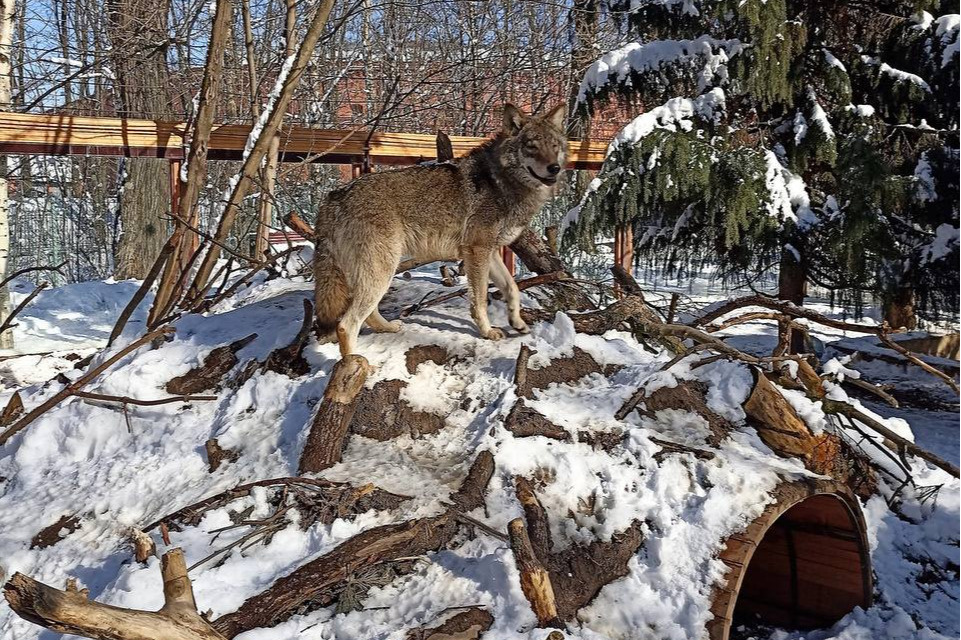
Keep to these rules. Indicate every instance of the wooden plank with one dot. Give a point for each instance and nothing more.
(54, 134)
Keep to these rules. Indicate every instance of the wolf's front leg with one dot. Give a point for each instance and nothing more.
(504, 282)
(477, 262)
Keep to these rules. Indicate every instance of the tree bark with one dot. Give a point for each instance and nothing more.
(6, 41)
(72, 613)
(899, 309)
(326, 438)
(792, 286)
(139, 34)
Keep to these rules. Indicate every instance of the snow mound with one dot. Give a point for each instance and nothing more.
(115, 471)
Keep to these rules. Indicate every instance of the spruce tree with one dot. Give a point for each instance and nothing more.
(817, 135)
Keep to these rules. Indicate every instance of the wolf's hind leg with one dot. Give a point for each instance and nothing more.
(512, 296)
(370, 283)
(379, 324)
(477, 261)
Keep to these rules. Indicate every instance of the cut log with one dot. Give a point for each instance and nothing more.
(538, 529)
(297, 223)
(70, 611)
(466, 625)
(208, 375)
(470, 496)
(289, 360)
(325, 442)
(535, 581)
(579, 572)
(317, 582)
(687, 395)
(776, 420)
(382, 415)
(524, 421)
(420, 354)
(54, 533)
(558, 371)
(12, 411)
(217, 455)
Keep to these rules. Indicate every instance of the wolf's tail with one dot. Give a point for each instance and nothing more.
(332, 295)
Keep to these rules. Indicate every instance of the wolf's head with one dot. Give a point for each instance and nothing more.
(535, 147)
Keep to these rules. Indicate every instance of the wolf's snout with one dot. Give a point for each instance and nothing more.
(553, 169)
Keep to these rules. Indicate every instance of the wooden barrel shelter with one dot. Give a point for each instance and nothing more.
(803, 564)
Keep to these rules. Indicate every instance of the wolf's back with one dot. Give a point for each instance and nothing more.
(332, 294)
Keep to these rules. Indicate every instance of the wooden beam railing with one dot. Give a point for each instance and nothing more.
(59, 134)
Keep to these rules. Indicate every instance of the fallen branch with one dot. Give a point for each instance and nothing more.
(19, 272)
(332, 492)
(81, 382)
(70, 612)
(89, 395)
(864, 385)
(289, 360)
(790, 310)
(835, 407)
(208, 375)
(319, 581)
(8, 321)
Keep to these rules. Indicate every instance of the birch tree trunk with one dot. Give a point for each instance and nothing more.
(6, 51)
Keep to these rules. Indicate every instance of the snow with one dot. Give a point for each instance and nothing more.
(82, 458)
(948, 29)
(818, 116)
(925, 189)
(897, 75)
(709, 55)
(945, 243)
(833, 61)
(788, 198)
(674, 115)
(862, 110)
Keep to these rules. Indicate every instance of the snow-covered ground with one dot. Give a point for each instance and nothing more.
(118, 471)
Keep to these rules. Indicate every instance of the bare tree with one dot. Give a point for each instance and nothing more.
(140, 41)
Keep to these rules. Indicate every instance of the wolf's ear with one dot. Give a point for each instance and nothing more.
(556, 116)
(514, 119)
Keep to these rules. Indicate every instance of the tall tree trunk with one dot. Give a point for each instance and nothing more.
(583, 18)
(140, 40)
(899, 309)
(6, 42)
(792, 287)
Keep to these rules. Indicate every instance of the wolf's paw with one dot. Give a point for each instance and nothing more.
(494, 334)
(520, 326)
(392, 327)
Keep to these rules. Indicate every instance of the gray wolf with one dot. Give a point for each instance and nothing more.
(466, 209)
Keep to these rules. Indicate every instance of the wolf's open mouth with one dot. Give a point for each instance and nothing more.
(547, 181)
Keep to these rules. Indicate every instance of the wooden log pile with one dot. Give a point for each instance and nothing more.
(557, 583)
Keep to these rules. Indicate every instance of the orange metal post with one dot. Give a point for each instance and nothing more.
(508, 257)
